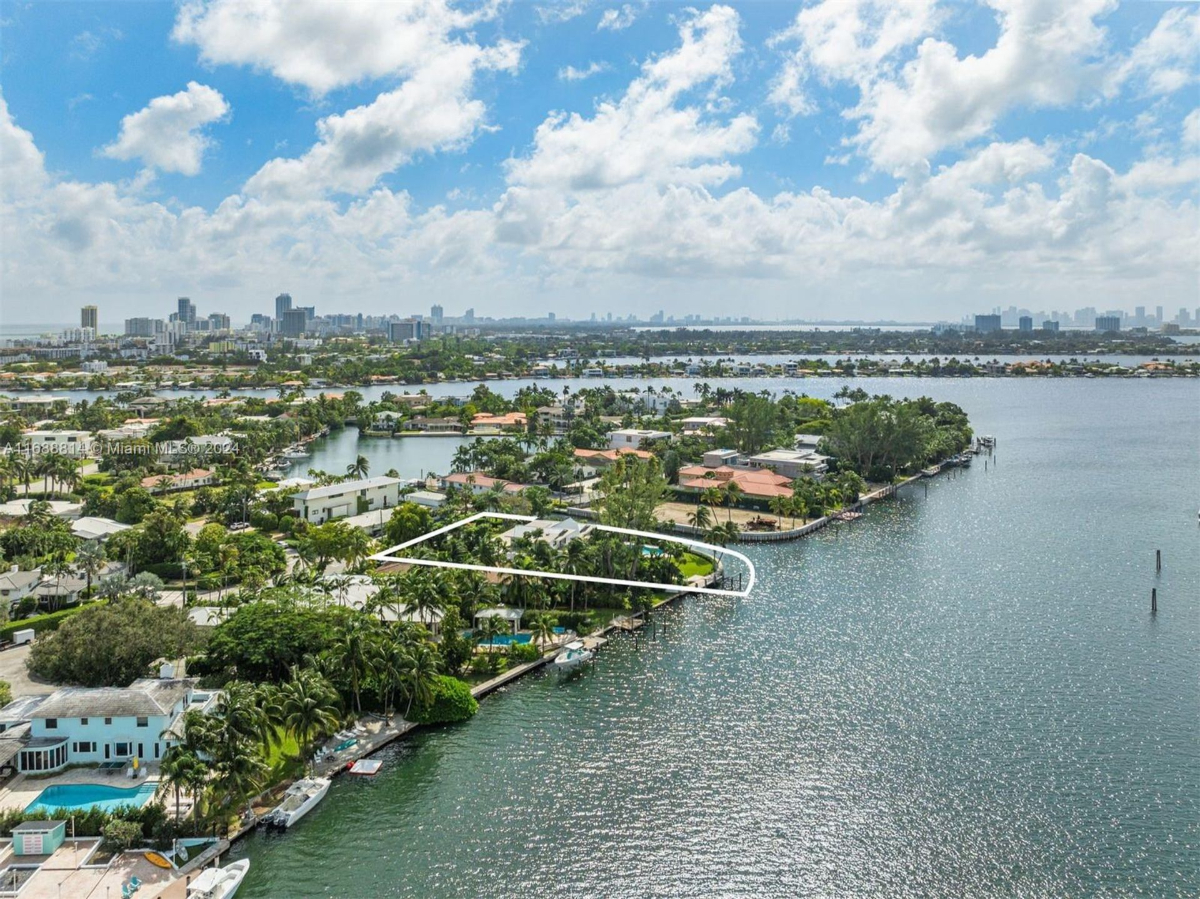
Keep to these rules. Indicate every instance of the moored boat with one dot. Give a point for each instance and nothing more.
(572, 656)
(300, 799)
(219, 883)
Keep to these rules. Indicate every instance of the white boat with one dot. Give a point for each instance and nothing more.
(219, 883)
(573, 655)
(298, 453)
(300, 799)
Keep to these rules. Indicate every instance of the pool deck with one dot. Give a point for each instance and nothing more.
(23, 789)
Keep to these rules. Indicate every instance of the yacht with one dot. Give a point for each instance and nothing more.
(300, 799)
(572, 656)
(296, 452)
(219, 883)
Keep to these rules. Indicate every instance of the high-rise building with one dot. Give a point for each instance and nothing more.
(294, 323)
(407, 329)
(550, 316)
(143, 327)
(469, 316)
(283, 303)
(218, 321)
(1108, 323)
(436, 314)
(1158, 313)
(186, 311)
(1050, 326)
(310, 312)
(985, 324)
(89, 317)
(1025, 323)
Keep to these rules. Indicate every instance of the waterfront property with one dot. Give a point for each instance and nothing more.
(556, 532)
(63, 443)
(633, 438)
(184, 480)
(790, 463)
(320, 504)
(96, 725)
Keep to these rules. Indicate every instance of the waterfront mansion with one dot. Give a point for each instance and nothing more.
(97, 725)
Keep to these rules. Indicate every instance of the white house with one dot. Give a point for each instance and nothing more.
(63, 443)
(92, 528)
(195, 449)
(634, 437)
(557, 533)
(92, 725)
(790, 463)
(321, 504)
(15, 585)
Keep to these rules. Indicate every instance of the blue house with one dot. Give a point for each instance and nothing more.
(91, 725)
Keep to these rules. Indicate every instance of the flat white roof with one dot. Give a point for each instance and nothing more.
(347, 487)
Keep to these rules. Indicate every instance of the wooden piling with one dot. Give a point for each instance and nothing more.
(1153, 600)
(1158, 560)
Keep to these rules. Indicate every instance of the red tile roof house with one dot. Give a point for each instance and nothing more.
(754, 482)
(197, 477)
(478, 482)
(602, 458)
(509, 421)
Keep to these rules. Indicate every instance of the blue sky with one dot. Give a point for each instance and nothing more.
(848, 158)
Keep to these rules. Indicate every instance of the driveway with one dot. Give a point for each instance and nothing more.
(12, 669)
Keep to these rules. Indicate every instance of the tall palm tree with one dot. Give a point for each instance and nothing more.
(778, 504)
(89, 561)
(308, 707)
(700, 518)
(418, 670)
(179, 770)
(359, 468)
(354, 651)
(733, 492)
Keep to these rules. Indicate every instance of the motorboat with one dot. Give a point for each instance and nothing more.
(300, 799)
(298, 452)
(572, 656)
(219, 883)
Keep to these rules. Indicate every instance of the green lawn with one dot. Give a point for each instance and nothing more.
(283, 760)
(692, 564)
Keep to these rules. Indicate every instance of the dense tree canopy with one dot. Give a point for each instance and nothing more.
(111, 645)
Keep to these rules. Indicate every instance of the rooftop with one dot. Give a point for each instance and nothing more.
(347, 487)
(147, 697)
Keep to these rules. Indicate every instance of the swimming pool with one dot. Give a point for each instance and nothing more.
(507, 639)
(83, 796)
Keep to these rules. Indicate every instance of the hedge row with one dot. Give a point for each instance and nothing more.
(48, 622)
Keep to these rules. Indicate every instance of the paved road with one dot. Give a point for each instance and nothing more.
(12, 669)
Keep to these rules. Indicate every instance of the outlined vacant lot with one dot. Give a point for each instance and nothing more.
(391, 555)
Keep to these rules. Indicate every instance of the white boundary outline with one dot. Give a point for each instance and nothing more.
(386, 556)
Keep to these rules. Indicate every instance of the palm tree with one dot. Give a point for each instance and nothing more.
(700, 518)
(354, 651)
(425, 595)
(180, 770)
(359, 468)
(542, 629)
(89, 561)
(778, 504)
(241, 711)
(308, 707)
(418, 669)
(732, 492)
(489, 629)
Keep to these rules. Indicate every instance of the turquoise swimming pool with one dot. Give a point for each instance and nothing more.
(83, 796)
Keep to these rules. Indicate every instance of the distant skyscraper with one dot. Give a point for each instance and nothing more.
(283, 303)
(143, 327)
(1108, 323)
(435, 314)
(1050, 326)
(550, 316)
(187, 311)
(408, 329)
(218, 321)
(985, 324)
(89, 317)
(293, 323)
(469, 316)
(1158, 312)
(1025, 323)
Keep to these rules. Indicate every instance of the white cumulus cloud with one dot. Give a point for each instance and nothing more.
(167, 133)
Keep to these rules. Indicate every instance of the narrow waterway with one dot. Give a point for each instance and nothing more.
(963, 694)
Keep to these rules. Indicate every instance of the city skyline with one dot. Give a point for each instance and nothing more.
(606, 156)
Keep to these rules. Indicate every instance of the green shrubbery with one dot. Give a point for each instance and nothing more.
(90, 822)
(39, 623)
(451, 701)
(521, 653)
